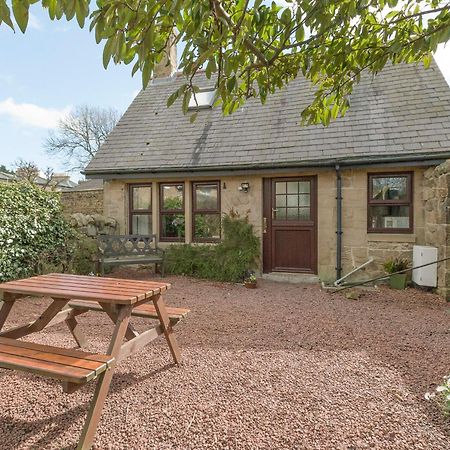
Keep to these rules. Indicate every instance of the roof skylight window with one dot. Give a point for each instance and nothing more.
(203, 99)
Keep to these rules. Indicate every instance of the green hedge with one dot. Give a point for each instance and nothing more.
(230, 260)
(35, 237)
(32, 230)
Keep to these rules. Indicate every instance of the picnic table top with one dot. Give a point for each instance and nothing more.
(80, 287)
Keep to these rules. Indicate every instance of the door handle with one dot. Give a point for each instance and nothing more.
(264, 225)
(274, 210)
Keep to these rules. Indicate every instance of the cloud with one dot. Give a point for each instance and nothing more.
(34, 23)
(32, 115)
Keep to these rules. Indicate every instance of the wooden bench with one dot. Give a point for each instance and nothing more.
(120, 299)
(130, 249)
(145, 310)
(73, 366)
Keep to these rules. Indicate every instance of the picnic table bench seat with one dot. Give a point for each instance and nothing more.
(145, 310)
(129, 249)
(73, 295)
(74, 366)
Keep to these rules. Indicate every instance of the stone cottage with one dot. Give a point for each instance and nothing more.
(323, 199)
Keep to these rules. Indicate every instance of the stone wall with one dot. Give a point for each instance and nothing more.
(437, 220)
(93, 225)
(358, 244)
(84, 202)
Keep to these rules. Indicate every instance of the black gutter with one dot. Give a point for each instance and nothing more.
(412, 160)
(338, 223)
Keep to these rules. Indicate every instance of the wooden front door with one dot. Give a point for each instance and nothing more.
(290, 225)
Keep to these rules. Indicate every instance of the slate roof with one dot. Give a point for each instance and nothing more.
(6, 177)
(402, 113)
(88, 185)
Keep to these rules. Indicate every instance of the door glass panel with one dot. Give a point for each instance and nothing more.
(280, 187)
(292, 200)
(281, 200)
(304, 187)
(292, 187)
(292, 214)
(304, 200)
(304, 213)
(280, 214)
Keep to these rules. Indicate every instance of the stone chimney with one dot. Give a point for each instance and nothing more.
(58, 178)
(168, 65)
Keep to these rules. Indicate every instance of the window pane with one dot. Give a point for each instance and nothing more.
(304, 200)
(142, 197)
(304, 213)
(141, 224)
(292, 187)
(304, 187)
(292, 214)
(172, 226)
(206, 196)
(280, 200)
(390, 188)
(292, 200)
(280, 187)
(207, 226)
(298, 213)
(280, 214)
(385, 217)
(172, 196)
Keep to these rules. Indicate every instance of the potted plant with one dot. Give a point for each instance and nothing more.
(397, 280)
(250, 281)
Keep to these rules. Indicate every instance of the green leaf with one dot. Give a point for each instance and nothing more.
(21, 14)
(186, 100)
(172, 98)
(193, 117)
(107, 51)
(427, 60)
(5, 14)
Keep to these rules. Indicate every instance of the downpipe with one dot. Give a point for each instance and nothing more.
(338, 223)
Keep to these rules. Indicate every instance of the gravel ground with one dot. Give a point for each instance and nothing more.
(279, 367)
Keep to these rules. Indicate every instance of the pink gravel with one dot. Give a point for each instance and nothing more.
(280, 367)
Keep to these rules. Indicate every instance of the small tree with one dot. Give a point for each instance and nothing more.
(80, 134)
(253, 48)
(26, 170)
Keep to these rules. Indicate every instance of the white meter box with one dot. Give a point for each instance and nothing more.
(425, 276)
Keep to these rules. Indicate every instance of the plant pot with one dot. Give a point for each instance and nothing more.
(250, 284)
(398, 281)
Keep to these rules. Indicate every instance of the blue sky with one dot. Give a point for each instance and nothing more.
(54, 67)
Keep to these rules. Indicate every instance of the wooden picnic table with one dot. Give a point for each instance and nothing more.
(73, 295)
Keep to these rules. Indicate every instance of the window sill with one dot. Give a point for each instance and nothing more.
(388, 237)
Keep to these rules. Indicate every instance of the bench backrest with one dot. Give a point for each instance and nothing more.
(128, 245)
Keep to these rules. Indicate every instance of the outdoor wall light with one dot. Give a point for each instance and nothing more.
(244, 187)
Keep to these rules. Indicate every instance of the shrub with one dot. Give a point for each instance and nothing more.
(83, 254)
(230, 260)
(396, 265)
(33, 231)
